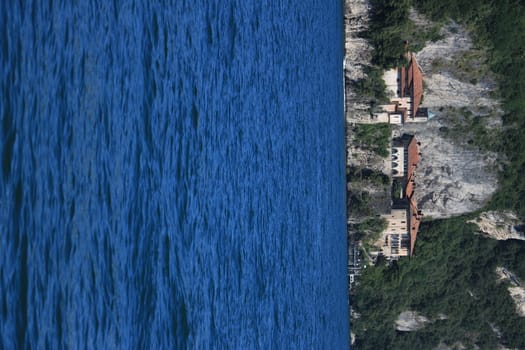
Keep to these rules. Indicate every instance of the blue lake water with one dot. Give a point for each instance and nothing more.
(172, 175)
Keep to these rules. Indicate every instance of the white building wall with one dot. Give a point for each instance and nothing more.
(391, 81)
(396, 118)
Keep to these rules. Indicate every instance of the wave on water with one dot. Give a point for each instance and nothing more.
(172, 175)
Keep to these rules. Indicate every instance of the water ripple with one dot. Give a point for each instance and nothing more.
(172, 175)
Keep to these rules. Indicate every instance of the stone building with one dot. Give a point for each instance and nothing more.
(405, 87)
(404, 218)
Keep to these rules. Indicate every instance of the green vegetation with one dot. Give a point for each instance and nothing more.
(370, 230)
(453, 274)
(375, 178)
(373, 137)
(387, 28)
(359, 204)
(368, 194)
(390, 29)
(397, 189)
(373, 226)
(372, 87)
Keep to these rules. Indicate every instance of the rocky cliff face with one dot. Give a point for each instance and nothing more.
(516, 290)
(454, 177)
(450, 179)
(518, 295)
(455, 72)
(500, 225)
(409, 321)
(358, 54)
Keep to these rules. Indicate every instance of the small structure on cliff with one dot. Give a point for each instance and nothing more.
(405, 85)
(404, 218)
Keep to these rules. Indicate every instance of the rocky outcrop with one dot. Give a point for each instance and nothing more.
(518, 295)
(409, 321)
(500, 225)
(443, 89)
(454, 178)
(506, 275)
(358, 54)
(516, 291)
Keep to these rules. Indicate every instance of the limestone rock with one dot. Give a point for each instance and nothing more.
(409, 321)
(451, 179)
(358, 54)
(500, 225)
(518, 295)
(516, 291)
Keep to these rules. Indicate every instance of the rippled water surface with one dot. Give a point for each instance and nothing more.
(172, 175)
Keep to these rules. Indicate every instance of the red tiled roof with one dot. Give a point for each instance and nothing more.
(415, 220)
(411, 83)
(417, 84)
(412, 161)
(410, 73)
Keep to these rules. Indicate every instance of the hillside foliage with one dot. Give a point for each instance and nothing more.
(452, 277)
(373, 137)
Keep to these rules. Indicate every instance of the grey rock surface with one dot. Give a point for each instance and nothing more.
(450, 179)
(409, 321)
(358, 54)
(500, 225)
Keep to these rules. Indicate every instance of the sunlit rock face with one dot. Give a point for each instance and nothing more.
(358, 54)
(500, 225)
(409, 321)
(451, 179)
(454, 176)
(516, 290)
